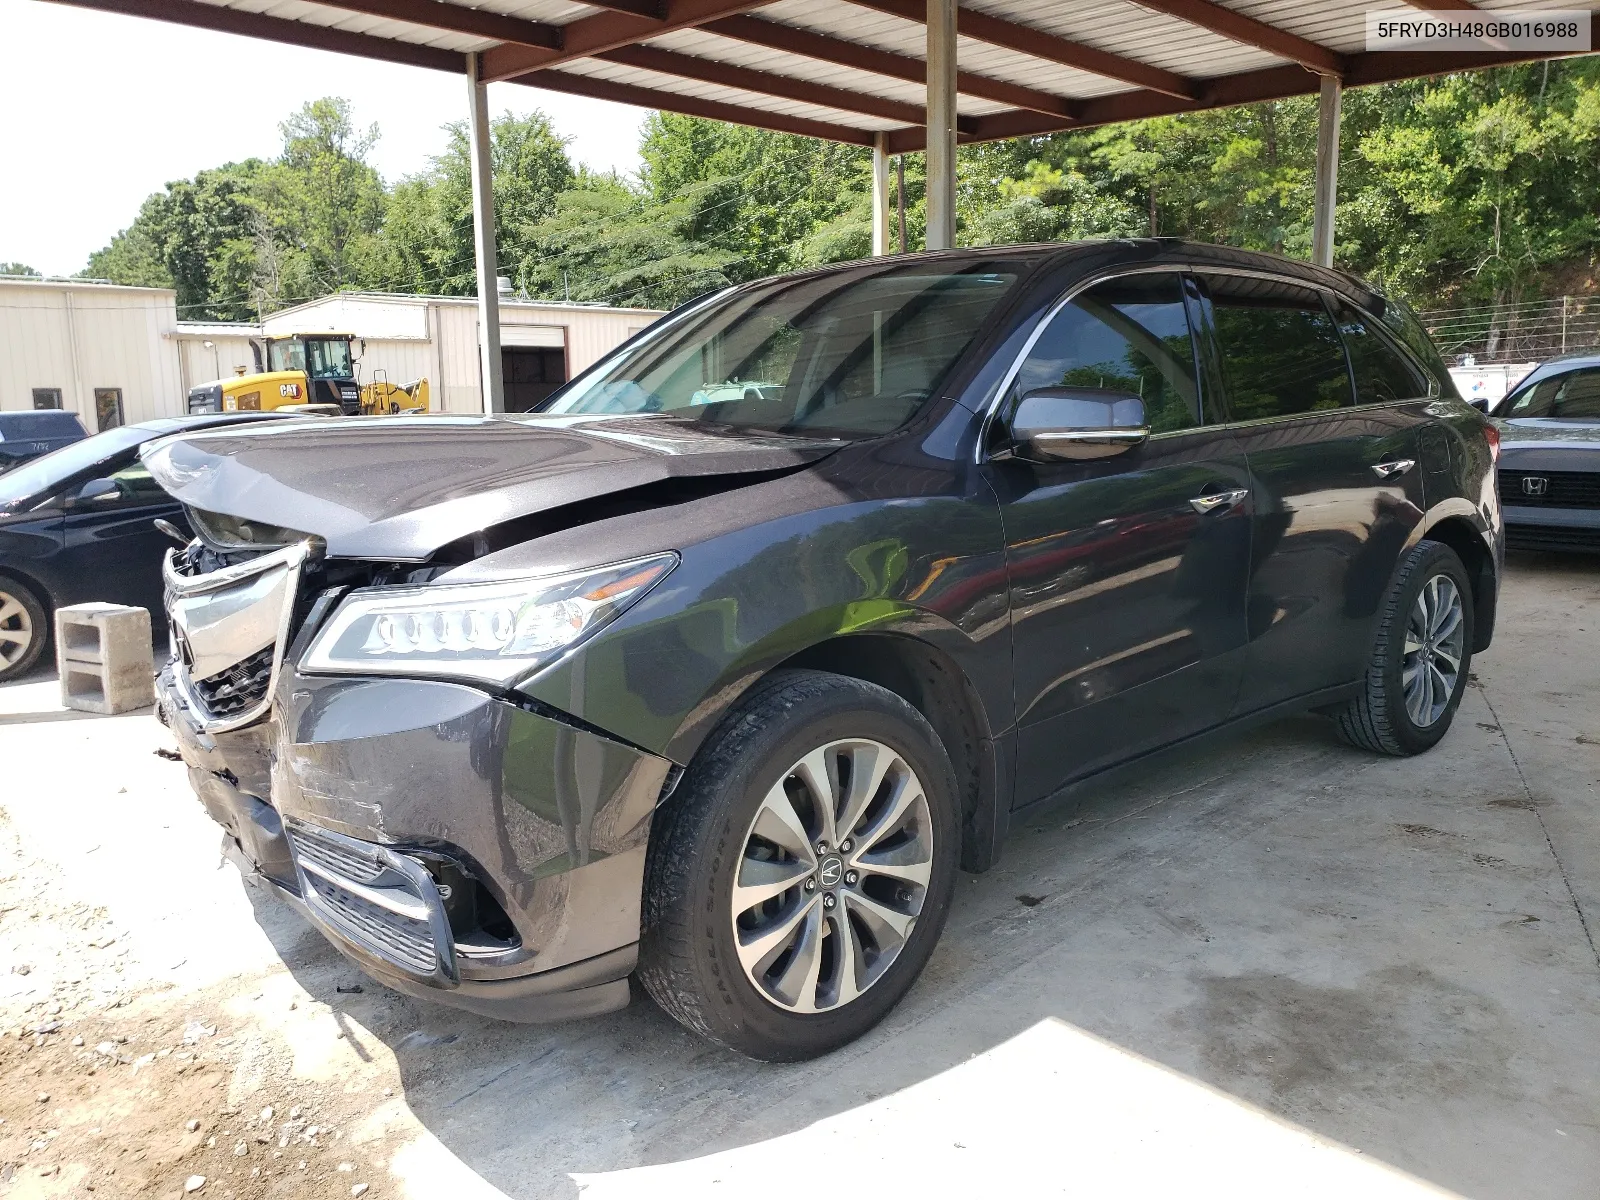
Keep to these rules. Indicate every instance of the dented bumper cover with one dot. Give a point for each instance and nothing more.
(453, 844)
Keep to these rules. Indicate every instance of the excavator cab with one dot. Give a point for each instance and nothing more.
(324, 359)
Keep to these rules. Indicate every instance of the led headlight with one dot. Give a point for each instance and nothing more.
(496, 632)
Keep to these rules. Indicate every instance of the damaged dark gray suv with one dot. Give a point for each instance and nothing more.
(719, 668)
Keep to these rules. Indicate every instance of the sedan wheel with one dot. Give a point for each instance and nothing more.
(833, 875)
(1435, 637)
(16, 631)
(24, 628)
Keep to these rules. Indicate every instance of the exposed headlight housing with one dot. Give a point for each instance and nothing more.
(493, 632)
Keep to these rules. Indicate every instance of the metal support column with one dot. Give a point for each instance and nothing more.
(880, 195)
(941, 117)
(494, 388)
(1327, 179)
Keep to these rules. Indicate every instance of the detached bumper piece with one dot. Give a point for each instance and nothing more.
(383, 903)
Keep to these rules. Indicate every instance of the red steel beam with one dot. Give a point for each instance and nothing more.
(641, 97)
(1251, 32)
(1036, 43)
(588, 36)
(1248, 87)
(278, 29)
(685, 66)
(804, 42)
(455, 18)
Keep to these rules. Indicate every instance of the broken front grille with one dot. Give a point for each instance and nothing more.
(238, 689)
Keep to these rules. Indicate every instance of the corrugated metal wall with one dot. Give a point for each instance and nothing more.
(399, 362)
(80, 337)
(199, 364)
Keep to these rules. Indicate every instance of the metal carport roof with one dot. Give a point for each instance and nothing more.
(850, 69)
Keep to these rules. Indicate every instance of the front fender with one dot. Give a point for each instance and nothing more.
(929, 567)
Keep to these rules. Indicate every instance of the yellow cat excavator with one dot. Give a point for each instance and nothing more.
(313, 372)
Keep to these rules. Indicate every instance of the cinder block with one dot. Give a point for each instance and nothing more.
(103, 658)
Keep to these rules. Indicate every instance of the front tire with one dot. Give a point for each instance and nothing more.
(24, 628)
(1421, 660)
(799, 879)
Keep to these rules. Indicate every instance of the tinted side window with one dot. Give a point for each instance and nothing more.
(1280, 350)
(1406, 326)
(1381, 372)
(1127, 335)
(1575, 394)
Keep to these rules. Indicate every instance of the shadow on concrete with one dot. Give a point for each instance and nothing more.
(1379, 950)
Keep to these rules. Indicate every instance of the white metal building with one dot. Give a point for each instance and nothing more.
(116, 355)
(99, 350)
(542, 344)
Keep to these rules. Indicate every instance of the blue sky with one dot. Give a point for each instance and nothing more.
(101, 110)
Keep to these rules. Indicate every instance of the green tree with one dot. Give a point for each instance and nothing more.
(16, 268)
(428, 238)
(197, 237)
(323, 204)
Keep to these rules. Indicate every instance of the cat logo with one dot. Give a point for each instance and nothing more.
(291, 390)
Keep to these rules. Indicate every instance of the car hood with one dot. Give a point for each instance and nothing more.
(402, 487)
(1545, 431)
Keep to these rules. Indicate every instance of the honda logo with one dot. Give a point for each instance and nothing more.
(1535, 485)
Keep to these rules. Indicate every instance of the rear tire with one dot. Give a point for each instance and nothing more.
(24, 628)
(1421, 660)
(771, 927)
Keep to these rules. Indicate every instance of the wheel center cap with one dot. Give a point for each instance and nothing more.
(831, 871)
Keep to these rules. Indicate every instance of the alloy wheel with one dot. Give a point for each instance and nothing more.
(1435, 642)
(16, 630)
(833, 875)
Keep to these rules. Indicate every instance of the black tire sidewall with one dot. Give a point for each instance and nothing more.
(835, 708)
(1433, 559)
(40, 617)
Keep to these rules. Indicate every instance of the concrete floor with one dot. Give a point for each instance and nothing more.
(1276, 967)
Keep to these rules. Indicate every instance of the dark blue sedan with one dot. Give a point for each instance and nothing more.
(78, 524)
(1550, 456)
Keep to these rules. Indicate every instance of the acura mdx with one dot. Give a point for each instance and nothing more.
(717, 669)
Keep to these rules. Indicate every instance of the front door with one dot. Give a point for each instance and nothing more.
(110, 547)
(1329, 414)
(1126, 574)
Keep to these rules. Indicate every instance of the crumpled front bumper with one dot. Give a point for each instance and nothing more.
(373, 804)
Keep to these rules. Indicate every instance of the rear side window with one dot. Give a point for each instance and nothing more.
(42, 424)
(1125, 335)
(1575, 394)
(1280, 350)
(1381, 372)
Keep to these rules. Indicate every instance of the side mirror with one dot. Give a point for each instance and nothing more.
(1481, 403)
(93, 492)
(1056, 423)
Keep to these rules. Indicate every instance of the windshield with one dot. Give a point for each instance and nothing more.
(1572, 395)
(35, 480)
(328, 358)
(849, 353)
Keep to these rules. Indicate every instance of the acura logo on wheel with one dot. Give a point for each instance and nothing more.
(1535, 485)
(832, 871)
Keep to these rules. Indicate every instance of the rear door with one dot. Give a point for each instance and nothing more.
(1328, 414)
(1126, 574)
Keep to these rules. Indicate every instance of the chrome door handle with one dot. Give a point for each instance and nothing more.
(1217, 501)
(1390, 470)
